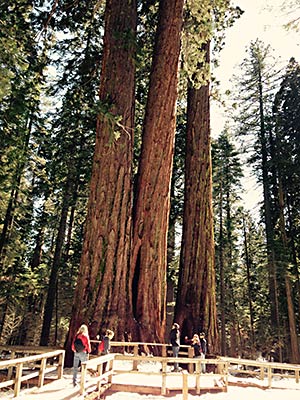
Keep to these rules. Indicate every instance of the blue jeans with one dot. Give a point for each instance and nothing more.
(82, 356)
(175, 350)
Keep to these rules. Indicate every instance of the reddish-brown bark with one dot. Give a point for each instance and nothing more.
(102, 292)
(196, 295)
(148, 267)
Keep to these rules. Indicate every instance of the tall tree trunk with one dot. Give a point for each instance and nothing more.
(294, 342)
(10, 211)
(152, 203)
(102, 294)
(51, 294)
(272, 270)
(196, 295)
(248, 266)
(222, 276)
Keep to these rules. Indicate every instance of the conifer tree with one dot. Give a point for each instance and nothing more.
(102, 297)
(227, 175)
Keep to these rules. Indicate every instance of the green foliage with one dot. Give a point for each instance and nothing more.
(204, 21)
(13, 42)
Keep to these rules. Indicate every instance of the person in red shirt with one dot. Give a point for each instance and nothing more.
(80, 355)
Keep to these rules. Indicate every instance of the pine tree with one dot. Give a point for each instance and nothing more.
(227, 184)
(287, 177)
(256, 88)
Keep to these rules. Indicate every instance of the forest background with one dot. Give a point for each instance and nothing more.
(117, 214)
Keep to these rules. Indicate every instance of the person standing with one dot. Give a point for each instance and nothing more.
(81, 347)
(107, 338)
(195, 343)
(175, 342)
(203, 343)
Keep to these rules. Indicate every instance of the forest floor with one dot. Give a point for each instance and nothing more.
(240, 388)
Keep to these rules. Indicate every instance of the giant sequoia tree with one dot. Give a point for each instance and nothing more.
(196, 301)
(152, 197)
(102, 292)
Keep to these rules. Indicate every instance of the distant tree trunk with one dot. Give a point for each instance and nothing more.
(102, 293)
(294, 356)
(51, 294)
(248, 265)
(152, 202)
(196, 295)
(8, 220)
(10, 211)
(222, 275)
(273, 284)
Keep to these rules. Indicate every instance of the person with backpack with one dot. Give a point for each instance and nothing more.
(81, 347)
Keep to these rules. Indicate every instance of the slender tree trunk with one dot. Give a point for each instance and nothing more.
(222, 277)
(273, 285)
(248, 265)
(102, 294)
(152, 203)
(51, 294)
(9, 217)
(294, 342)
(8, 220)
(196, 295)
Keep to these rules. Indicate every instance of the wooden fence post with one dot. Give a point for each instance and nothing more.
(42, 372)
(100, 372)
(269, 376)
(297, 375)
(10, 369)
(60, 367)
(262, 373)
(198, 374)
(82, 378)
(135, 353)
(191, 355)
(17, 386)
(185, 389)
(164, 378)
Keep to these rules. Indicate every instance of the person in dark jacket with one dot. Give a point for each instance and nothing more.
(203, 343)
(107, 338)
(82, 355)
(175, 342)
(195, 343)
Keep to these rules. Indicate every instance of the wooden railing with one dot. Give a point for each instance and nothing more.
(37, 362)
(102, 377)
(261, 368)
(38, 367)
(196, 364)
(138, 348)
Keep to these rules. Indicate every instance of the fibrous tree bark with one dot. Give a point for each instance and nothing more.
(152, 197)
(102, 291)
(196, 294)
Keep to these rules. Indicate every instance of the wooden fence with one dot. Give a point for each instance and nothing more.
(262, 369)
(103, 368)
(195, 364)
(35, 363)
